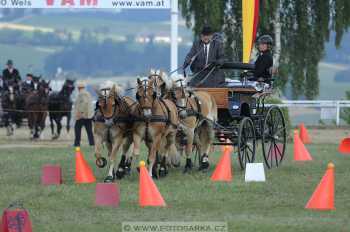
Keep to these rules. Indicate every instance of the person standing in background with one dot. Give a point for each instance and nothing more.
(11, 73)
(83, 112)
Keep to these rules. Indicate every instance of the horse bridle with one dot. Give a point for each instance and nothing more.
(145, 87)
(105, 95)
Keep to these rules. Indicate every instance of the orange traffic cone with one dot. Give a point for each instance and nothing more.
(300, 151)
(304, 134)
(149, 194)
(344, 146)
(222, 171)
(323, 197)
(83, 172)
(223, 148)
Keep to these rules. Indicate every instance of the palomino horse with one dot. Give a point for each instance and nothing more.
(36, 106)
(198, 112)
(60, 105)
(158, 128)
(113, 127)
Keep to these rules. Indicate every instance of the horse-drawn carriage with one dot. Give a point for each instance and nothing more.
(244, 118)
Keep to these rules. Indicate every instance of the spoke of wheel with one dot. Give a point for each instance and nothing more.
(250, 149)
(270, 154)
(275, 153)
(279, 151)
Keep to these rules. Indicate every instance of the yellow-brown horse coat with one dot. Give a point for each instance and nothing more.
(161, 134)
(114, 135)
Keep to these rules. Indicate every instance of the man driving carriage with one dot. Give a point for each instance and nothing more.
(11, 73)
(28, 85)
(203, 56)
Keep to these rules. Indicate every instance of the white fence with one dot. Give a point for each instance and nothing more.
(327, 110)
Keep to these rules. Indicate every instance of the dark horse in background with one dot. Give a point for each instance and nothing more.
(60, 105)
(10, 101)
(36, 106)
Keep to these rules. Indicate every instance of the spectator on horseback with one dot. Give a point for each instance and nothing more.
(264, 62)
(28, 85)
(203, 56)
(84, 112)
(11, 73)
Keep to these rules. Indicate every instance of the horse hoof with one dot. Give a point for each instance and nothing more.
(188, 166)
(163, 172)
(127, 170)
(120, 173)
(204, 166)
(155, 173)
(101, 162)
(109, 179)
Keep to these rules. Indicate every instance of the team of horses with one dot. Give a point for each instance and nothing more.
(171, 119)
(34, 102)
(167, 116)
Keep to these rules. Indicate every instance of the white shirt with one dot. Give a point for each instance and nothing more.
(208, 48)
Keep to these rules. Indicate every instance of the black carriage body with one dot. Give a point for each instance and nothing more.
(243, 118)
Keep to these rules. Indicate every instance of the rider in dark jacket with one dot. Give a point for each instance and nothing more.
(10, 73)
(28, 85)
(264, 62)
(205, 52)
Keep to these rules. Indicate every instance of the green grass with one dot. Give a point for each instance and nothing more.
(277, 205)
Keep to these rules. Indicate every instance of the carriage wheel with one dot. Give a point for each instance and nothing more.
(274, 137)
(246, 142)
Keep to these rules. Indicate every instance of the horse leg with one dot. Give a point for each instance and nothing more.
(113, 164)
(59, 126)
(153, 155)
(52, 127)
(125, 149)
(190, 137)
(42, 123)
(101, 162)
(206, 138)
(169, 142)
(137, 138)
(69, 116)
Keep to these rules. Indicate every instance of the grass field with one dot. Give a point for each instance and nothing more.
(277, 205)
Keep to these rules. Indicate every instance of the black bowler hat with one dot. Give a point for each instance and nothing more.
(9, 62)
(207, 30)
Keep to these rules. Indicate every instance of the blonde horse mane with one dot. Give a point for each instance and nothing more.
(164, 77)
(110, 85)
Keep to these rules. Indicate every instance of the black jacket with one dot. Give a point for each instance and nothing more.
(6, 75)
(215, 56)
(263, 65)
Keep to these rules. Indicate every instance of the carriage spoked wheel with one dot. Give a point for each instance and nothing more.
(274, 137)
(246, 142)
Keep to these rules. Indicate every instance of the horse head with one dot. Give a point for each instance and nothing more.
(179, 92)
(12, 90)
(68, 87)
(147, 92)
(44, 87)
(107, 96)
(162, 80)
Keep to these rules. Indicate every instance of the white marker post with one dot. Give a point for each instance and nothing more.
(174, 36)
(254, 172)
